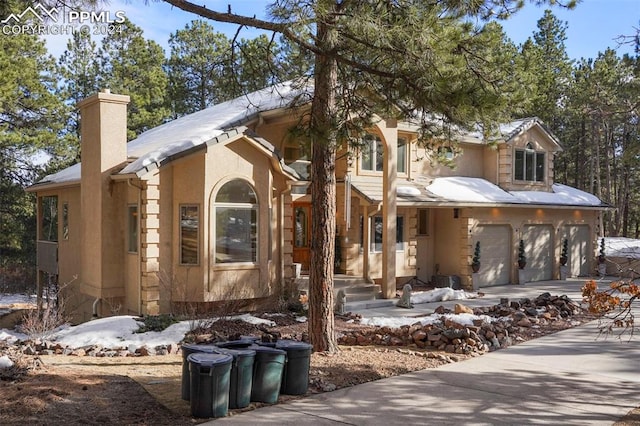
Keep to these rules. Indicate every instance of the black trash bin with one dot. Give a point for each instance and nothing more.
(267, 373)
(241, 379)
(210, 373)
(295, 377)
(188, 349)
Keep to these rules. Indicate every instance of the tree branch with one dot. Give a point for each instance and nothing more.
(231, 18)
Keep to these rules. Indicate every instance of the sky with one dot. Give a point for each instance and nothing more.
(594, 25)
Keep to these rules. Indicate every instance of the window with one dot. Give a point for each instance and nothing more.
(49, 218)
(423, 222)
(236, 218)
(65, 220)
(372, 151)
(376, 233)
(402, 155)
(372, 154)
(529, 165)
(189, 234)
(301, 231)
(132, 219)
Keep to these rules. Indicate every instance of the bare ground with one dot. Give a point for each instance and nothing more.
(147, 390)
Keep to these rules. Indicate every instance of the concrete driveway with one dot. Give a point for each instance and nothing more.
(572, 377)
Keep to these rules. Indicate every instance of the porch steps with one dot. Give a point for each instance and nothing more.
(357, 289)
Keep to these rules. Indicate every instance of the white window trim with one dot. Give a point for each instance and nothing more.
(535, 152)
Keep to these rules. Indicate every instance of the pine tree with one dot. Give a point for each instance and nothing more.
(424, 58)
(199, 68)
(133, 66)
(29, 126)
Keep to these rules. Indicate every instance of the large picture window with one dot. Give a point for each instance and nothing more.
(189, 234)
(529, 164)
(376, 233)
(236, 218)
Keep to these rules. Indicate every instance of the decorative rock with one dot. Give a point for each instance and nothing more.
(459, 308)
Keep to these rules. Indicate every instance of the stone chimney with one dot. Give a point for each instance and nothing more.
(103, 131)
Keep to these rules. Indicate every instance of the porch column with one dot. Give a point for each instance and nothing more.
(389, 208)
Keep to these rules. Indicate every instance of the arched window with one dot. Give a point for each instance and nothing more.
(236, 219)
(529, 164)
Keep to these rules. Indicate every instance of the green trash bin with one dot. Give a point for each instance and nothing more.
(241, 379)
(295, 377)
(188, 349)
(267, 373)
(209, 384)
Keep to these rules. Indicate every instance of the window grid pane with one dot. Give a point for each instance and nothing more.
(402, 156)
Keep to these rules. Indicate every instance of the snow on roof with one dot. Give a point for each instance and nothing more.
(195, 129)
(562, 194)
(476, 190)
(622, 247)
(468, 189)
(184, 133)
(70, 174)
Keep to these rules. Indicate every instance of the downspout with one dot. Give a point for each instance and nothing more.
(283, 194)
(139, 267)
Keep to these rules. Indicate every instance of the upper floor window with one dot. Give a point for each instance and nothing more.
(372, 154)
(529, 164)
(236, 218)
(402, 155)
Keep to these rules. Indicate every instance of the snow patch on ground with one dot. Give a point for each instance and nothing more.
(621, 247)
(441, 294)
(120, 331)
(5, 362)
(397, 322)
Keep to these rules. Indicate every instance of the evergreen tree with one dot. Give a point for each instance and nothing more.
(79, 69)
(199, 68)
(422, 57)
(133, 66)
(29, 129)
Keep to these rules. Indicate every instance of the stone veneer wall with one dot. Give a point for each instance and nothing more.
(150, 246)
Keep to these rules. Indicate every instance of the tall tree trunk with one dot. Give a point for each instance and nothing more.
(323, 194)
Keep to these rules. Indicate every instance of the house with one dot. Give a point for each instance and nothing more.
(214, 206)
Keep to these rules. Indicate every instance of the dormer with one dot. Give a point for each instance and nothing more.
(525, 156)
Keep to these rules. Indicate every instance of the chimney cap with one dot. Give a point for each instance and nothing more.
(106, 90)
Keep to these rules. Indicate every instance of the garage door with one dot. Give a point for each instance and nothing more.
(578, 237)
(495, 255)
(539, 251)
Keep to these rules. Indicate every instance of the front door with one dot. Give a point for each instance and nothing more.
(302, 234)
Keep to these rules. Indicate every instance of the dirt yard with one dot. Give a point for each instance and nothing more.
(147, 390)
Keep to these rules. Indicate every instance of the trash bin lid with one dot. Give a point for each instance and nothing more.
(267, 349)
(237, 353)
(293, 345)
(209, 359)
(192, 347)
(232, 344)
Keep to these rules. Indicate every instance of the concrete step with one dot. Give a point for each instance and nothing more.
(368, 304)
(356, 288)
